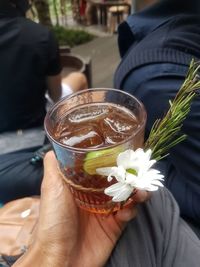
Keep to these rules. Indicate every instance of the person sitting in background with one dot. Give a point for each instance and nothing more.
(30, 67)
(157, 46)
(148, 234)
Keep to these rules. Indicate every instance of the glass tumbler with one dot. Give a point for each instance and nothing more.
(78, 164)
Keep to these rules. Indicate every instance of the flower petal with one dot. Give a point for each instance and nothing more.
(148, 153)
(151, 176)
(151, 163)
(158, 183)
(146, 184)
(126, 158)
(123, 195)
(143, 159)
(111, 190)
(142, 176)
(105, 171)
(131, 178)
(150, 188)
(117, 172)
(120, 175)
(119, 191)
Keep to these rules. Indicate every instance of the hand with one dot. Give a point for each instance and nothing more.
(69, 236)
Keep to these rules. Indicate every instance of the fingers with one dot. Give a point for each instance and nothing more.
(51, 174)
(130, 211)
(57, 209)
(141, 196)
(53, 187)
(52, 184)
(50, 165)
(126, 214)
(55, 195)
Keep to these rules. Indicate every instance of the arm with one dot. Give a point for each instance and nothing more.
(54, 87)
(76, 81)
(68, 236)
(53, 71)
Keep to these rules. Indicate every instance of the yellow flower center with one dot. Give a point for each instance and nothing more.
(132, 171)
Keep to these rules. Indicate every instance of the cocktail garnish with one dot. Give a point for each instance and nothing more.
(101, 158)
(133, 170)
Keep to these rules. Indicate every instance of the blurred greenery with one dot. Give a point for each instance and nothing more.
(58, 13)
(71, 37)
(57, 3)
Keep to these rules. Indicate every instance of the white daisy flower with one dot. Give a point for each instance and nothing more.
(133, 171)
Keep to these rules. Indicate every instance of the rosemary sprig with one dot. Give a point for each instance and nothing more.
(165, 132)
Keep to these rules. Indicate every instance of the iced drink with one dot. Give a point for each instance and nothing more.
(92, 135)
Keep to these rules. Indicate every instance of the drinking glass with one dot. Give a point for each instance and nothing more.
(78, 165)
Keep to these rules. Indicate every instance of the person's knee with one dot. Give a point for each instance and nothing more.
(76, 80)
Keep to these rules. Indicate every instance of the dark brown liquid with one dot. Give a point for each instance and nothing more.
(94, 126)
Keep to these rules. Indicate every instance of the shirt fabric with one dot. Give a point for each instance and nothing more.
(150, 18)
(29, 53)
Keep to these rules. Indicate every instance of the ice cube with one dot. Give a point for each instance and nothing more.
(118, 126)
(88, 113)
(83, 137)
(62, 129)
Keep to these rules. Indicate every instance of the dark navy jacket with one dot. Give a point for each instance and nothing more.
(157, 50)
(28, 54)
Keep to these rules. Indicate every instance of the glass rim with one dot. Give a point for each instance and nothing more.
(83, 150)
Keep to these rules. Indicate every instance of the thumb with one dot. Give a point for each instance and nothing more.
(51, 180)
(53, 186)
(57, 210)
(56, 198)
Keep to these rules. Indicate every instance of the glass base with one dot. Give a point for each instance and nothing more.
(106, 208)
(102, 204)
